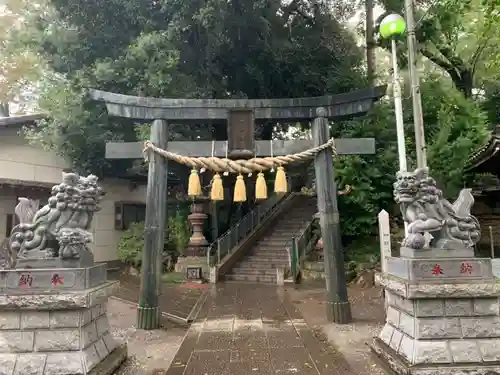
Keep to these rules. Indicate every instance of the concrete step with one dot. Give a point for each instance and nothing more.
(274, 258)
(265, 247)
(290, 224)
(272, 242)
(254, 271)
(252, 278)
(259, 265)
(257, 262)
(268, 250)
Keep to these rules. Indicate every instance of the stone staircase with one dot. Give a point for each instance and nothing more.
(269, 252)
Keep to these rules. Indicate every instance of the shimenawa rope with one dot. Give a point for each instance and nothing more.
(238, 166)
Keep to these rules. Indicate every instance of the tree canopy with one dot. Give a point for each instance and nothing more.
(261, 49)
(462, 37)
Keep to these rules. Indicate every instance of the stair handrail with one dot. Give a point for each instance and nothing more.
(299, 246)
(226, 242)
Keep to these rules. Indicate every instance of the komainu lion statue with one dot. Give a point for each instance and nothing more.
(60, 227)
(426, 211)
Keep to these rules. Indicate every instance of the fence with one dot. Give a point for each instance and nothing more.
(234, 235)
(298, 248)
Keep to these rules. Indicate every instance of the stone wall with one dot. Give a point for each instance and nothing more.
(447, 330)
(75, 339)
(65, 333)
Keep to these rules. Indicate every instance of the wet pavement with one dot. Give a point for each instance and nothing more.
(245, 329)
(178, 302)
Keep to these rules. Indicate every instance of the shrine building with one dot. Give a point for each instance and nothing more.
(485, 163)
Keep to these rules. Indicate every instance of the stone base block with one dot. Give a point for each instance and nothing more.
(440, 270)
(400, 366)
(183, 263)
(441, 289)
(438, 336)
(14, 281)
(89, 361)
(455, 252)
(112, 362)
(55, 333)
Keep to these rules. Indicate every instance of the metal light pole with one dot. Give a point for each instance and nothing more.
(391, 27)
(418, 117)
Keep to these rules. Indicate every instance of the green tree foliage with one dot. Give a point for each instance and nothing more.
(455, 127)
(462, 37)
(19, 64)
(175, 48)
(257, 49)
(131, 243)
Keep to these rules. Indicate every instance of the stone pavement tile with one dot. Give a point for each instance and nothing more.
(214, 341)
(186, 348)
(327, 360)
(284, 339)
(287, 361)
(250, 354)
(251, 367)
(247, 325)
(273, 310)
(277, 325)
(293, 312)
(222, 324)
(209, 363)
(247, 313)
(253, 340)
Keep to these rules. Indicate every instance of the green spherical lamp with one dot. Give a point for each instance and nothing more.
(392, 25)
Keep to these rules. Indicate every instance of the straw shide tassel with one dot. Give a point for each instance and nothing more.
(280, 183)
(194, 185)
(217, 192)
(240, 193)
(260, 187)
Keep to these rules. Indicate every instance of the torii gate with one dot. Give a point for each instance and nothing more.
(241, 116)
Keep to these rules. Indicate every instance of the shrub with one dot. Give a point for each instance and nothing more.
(131, 243)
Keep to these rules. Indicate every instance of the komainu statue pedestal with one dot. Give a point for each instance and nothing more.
(442, 302)
(54, 321)
(442, 317)
(53, 296)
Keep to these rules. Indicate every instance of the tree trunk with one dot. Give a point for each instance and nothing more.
(4, 110)
(370, 44)
(464, 82)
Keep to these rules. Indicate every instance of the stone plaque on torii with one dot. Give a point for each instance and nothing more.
(241, 115)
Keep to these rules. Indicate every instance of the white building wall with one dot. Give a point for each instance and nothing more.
(31, 164)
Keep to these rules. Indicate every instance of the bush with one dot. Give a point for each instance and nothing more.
(131, 243)
(178, 233)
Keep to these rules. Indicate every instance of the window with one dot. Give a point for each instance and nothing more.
(127, 213)
(9, 224)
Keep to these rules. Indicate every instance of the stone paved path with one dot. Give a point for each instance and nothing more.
(245, 329)
(178, 301)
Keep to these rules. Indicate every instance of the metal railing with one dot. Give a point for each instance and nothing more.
(234, 235)
(299, 246)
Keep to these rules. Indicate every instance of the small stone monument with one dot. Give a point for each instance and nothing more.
(443, 314)
(384, 232)
(53, 296)
(193, 261)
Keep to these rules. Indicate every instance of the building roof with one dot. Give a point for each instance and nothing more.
(18, 121)
(487, 158)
